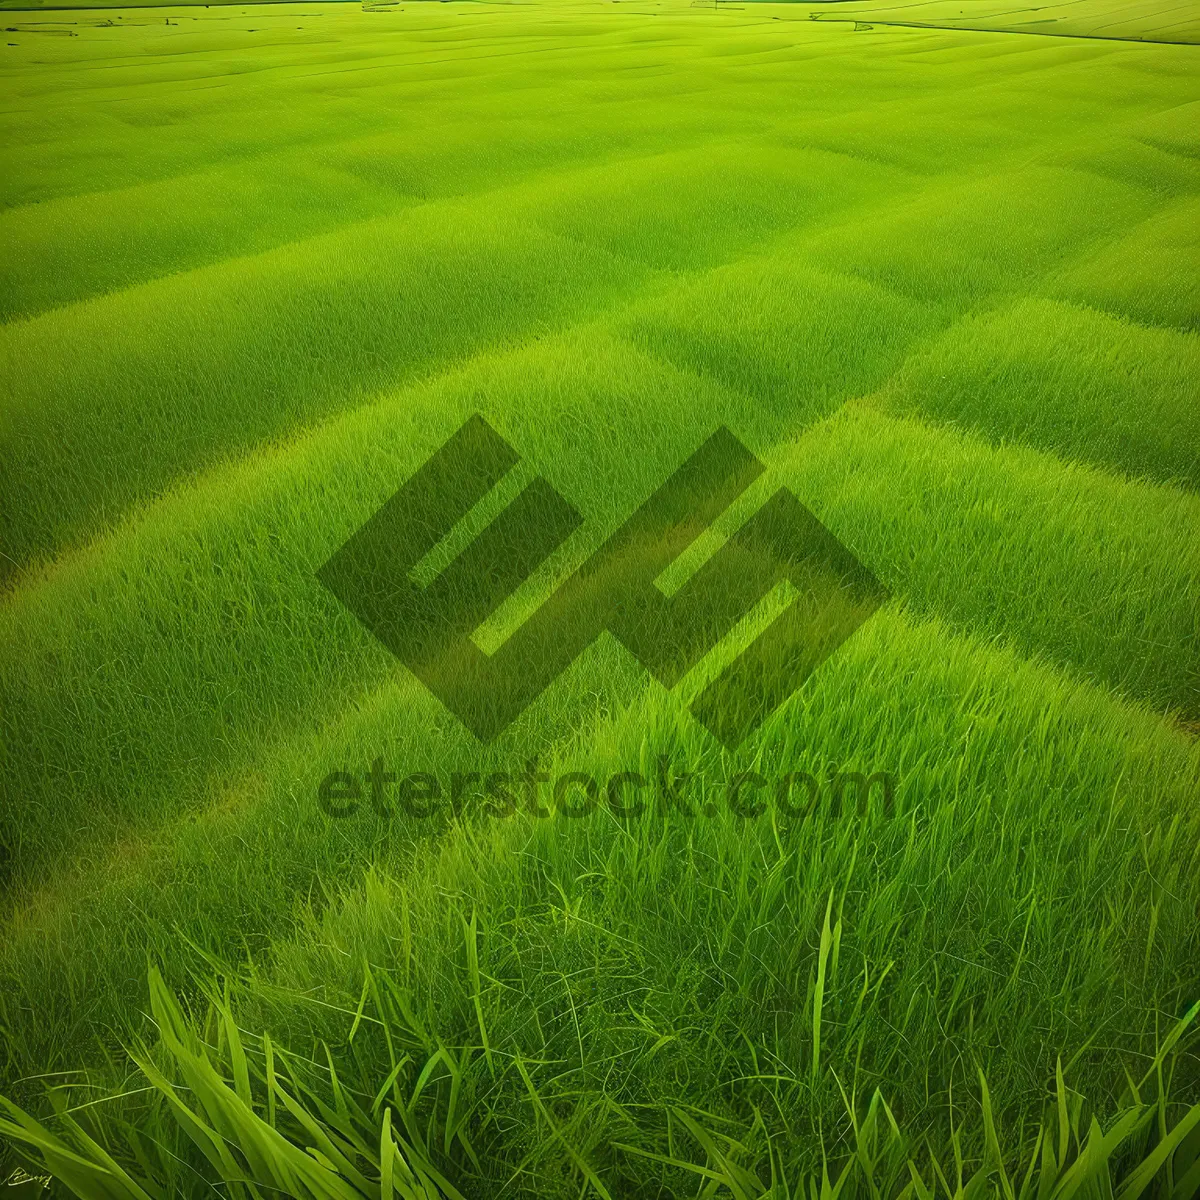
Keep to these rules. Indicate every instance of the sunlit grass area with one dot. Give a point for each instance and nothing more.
(939, 276)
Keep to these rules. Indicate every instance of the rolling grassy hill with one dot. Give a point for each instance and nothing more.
(261, 262)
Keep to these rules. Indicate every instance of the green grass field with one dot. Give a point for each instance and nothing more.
(941, 275)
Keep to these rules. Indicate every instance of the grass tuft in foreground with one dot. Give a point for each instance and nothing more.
(218, 1107)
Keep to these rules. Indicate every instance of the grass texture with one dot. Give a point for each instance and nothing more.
(260, 262)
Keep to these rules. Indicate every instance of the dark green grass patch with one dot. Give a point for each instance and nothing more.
(1151, 274)
(703, 206)
(970, 241)
(1009, 374)
(71, 248)
(802, 340)
(1060, 559)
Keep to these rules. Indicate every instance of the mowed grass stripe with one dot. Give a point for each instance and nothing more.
(113, 399)
(401, 159)
(1095, 571)
(1067, 379)
(1127, 157)
(1001, 93)
(198, 631)
(643, 388)
(705, 206)
(206, 626)
(775, 324)
(131, 134)
(423, 283)
(1150, 275)
(981, 102)
(65, 250)
(1136, 20)
(970, 242)
(141, 373)
(71, 247)
(797, 339)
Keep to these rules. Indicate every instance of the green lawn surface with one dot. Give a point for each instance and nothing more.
(259, 262)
